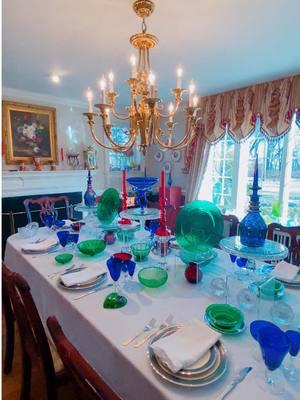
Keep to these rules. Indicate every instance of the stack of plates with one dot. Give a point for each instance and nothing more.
(205, 371)
(225, 319)
(295, 283)
(86, 285)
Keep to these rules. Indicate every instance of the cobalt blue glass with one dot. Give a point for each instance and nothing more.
(59, 223)
(253, 228)
(141, 185)
(274, 345)
(63, 237)
(256, 325)
(115, 299)
(130, 267)
(90, 195)
(233, 258)
(290, 371)
(153, 226)
(48, 219)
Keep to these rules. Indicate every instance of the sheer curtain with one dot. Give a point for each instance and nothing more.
(197, 168)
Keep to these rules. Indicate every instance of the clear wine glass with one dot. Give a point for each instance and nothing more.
(290, 371)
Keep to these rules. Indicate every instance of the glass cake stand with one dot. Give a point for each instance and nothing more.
(149, 213)
(271, 251)
(91, 221)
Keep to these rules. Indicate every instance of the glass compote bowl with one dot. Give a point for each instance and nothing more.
(274, 345)
(63, 237)
(114, 299)
(141, 185)
(290, 371)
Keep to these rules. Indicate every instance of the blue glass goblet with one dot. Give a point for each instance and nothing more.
(115, 299)
(274, 345)
(63, 238)
(291, 372)
(48, 219)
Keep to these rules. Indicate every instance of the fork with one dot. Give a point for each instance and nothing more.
(61, 272)
(150, 325)
(165, 324)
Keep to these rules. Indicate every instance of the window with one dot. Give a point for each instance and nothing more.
(131, 161)
(229, 175)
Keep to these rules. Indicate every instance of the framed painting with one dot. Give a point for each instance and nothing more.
(29, 131)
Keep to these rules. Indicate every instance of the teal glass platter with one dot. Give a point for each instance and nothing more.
(199, 226)
(63, 258)
(91, 247)
(140, 251)
(108, 206)
(153, 277)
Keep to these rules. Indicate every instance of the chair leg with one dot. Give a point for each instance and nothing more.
(10, 345)
(26, 378)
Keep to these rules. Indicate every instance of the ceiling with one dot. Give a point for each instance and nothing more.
(222, 44)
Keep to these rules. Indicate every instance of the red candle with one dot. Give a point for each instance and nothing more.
(124, 190)
(62, 154)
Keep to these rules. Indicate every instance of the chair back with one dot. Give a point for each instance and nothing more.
(231, 224)
(33, 338)
(47, 205)
(86, 381)
(289, 237)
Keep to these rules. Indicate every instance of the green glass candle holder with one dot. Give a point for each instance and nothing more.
(140, 251)
(91, 247)
(114, 300)
(63, 258)
(153, 277)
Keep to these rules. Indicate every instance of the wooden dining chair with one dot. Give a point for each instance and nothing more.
(289, 237)
(9, 327)
(34, 342)
(87, 383)
(46, 205)
(231, 224)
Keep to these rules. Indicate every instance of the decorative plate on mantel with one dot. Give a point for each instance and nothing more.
(159, 155)
(176, 155)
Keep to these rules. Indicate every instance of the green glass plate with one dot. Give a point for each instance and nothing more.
(140, 251)
(153, 277)
(91, 247)
(224, 316)
(108, 206)
(63, 258)
(199, 226)
(233, 331)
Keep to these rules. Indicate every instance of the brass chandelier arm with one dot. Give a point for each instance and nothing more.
(121, 148)
(118, 116)
(98, 141)
(184, 141)
(172, 114)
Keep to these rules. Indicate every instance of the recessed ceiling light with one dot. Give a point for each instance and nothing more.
(55, 78)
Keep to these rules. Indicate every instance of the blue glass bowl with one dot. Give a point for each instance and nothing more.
(142, 182)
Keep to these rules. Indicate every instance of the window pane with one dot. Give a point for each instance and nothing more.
(131, 161)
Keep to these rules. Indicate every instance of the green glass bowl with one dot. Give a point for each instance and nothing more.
(224, 315)
(140, 251)
(63, 258)
(108, 205)
(91, 247)
(153, 277)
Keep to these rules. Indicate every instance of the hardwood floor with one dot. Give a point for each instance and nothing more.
(11, 383)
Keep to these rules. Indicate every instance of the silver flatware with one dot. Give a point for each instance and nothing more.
(165, 324)
(238, 379)
(150, 325)
(93, 291)
(39, 240)
(65, 270)
(73, 271)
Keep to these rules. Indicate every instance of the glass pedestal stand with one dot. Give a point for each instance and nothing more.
(91, 221)
(126, 230)
(148, 214)
(271, 251)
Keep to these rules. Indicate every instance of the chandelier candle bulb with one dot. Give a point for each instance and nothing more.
(179, 78)
(195, 101)
(151, 79)
(111, 82)
(107, 111)
(171, 110)
(191, 92)
(133, 67)
(89, 95)
(102, 85)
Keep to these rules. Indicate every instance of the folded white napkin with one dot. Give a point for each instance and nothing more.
(81, 276)
(44, 245)
(285, 271)
(185, 346)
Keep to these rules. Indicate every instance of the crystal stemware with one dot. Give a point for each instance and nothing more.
(274, 345)
(114, 299)
(63, 238)
(48, 218)
(290, 371)
(73, 239)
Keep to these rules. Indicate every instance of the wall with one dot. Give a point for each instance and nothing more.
(72, 132)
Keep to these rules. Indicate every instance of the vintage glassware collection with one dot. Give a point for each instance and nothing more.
(244, 300)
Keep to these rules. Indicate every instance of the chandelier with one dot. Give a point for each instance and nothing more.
(146, 116)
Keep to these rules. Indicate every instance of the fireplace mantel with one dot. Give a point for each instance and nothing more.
(42, 182)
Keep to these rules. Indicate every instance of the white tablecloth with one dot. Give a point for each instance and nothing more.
(98, 332)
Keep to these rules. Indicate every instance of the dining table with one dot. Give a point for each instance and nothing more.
(98, 333)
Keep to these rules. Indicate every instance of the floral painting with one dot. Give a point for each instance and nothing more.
(30, 132)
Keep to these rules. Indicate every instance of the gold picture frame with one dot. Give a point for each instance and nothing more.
(29, 131)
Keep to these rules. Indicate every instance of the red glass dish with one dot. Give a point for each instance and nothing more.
(123, 256)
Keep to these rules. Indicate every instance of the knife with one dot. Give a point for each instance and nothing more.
(238, 379)
(93, 291)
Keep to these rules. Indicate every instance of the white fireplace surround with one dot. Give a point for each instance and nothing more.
(42, 182)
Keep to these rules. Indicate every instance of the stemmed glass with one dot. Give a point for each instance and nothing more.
(48, 219)
(73, 239)
(114, 299)
(291, 372)
(63, 237)
(274, 345)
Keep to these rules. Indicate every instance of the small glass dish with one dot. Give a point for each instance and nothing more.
(63, 258)
(153, 277)
(224, 315)
(91, 247)
(29, 230)
(140, 251)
